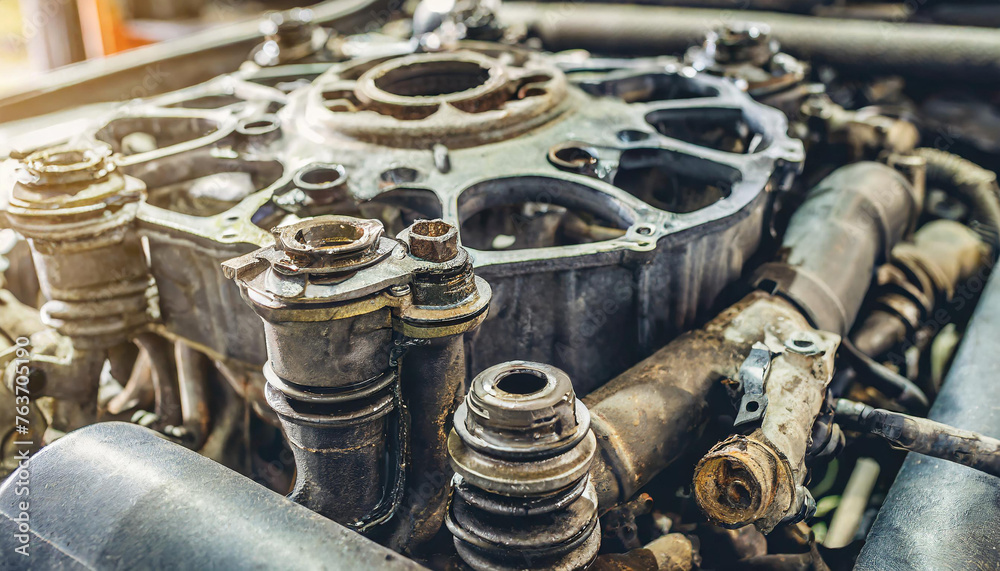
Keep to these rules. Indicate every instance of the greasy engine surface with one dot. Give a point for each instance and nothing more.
(659, 304)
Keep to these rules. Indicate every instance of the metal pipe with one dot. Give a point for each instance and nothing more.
(192, 371)
(889, 382)
(917, 50)
(164, 375)
(334, 357)
(433, 384)
(924, 436)
(853, 503)
(644, 418)
(847, 226)
(966, 181)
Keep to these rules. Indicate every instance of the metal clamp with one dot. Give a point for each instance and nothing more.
(752, 376)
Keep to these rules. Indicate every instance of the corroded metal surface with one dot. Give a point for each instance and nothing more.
(570, 184)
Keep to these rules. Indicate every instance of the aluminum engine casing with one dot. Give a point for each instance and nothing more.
(669, 172)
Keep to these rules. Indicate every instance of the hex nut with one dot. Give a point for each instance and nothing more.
(433, 240)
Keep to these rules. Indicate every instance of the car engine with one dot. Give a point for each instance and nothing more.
(462, 285)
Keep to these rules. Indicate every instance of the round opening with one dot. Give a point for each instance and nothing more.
(66, 158)
(570, 156)
(752, 406)
(332, 235)
(260, 126)
(529, 212)
(430, 228)
(633, 136)
(397, 176)
(319, 176)
(522, 382)
(432, 78)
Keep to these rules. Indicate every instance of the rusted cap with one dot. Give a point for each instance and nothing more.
(522, 408)
(741, 482)
(67, 164)
(326, 242)
(522, 431)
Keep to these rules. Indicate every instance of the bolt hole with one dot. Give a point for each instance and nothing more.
(258, 126)
(522, 383)
(397, 176)
(572, 156)
(633, 135)
(320, 176)
(752, 406)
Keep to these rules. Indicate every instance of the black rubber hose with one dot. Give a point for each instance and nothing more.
(938, 514)
(118, 496)
(923, 436)
(966, 181)
(892, 384)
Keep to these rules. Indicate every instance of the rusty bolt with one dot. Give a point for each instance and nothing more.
(433, 240)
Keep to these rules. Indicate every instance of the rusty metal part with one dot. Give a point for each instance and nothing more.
(671, 552)
(290, 36)
(620, 522)
(334, 290)
(522, 448)
(759, 479)
(926, 270)
(77, 212)
(644, 418)
(164, 375)
(967, 181)
(674, 552)
(138, 392)
(192, 370)
(745, 52)
(867, 134)
(433, 385)
(433, 240)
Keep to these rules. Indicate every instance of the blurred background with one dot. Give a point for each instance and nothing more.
(38, 35)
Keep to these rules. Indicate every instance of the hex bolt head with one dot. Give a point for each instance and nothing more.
(433, 240)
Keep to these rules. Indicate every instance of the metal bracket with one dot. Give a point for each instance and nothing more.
(752, 376)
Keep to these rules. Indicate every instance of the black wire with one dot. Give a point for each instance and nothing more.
(894, 385)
